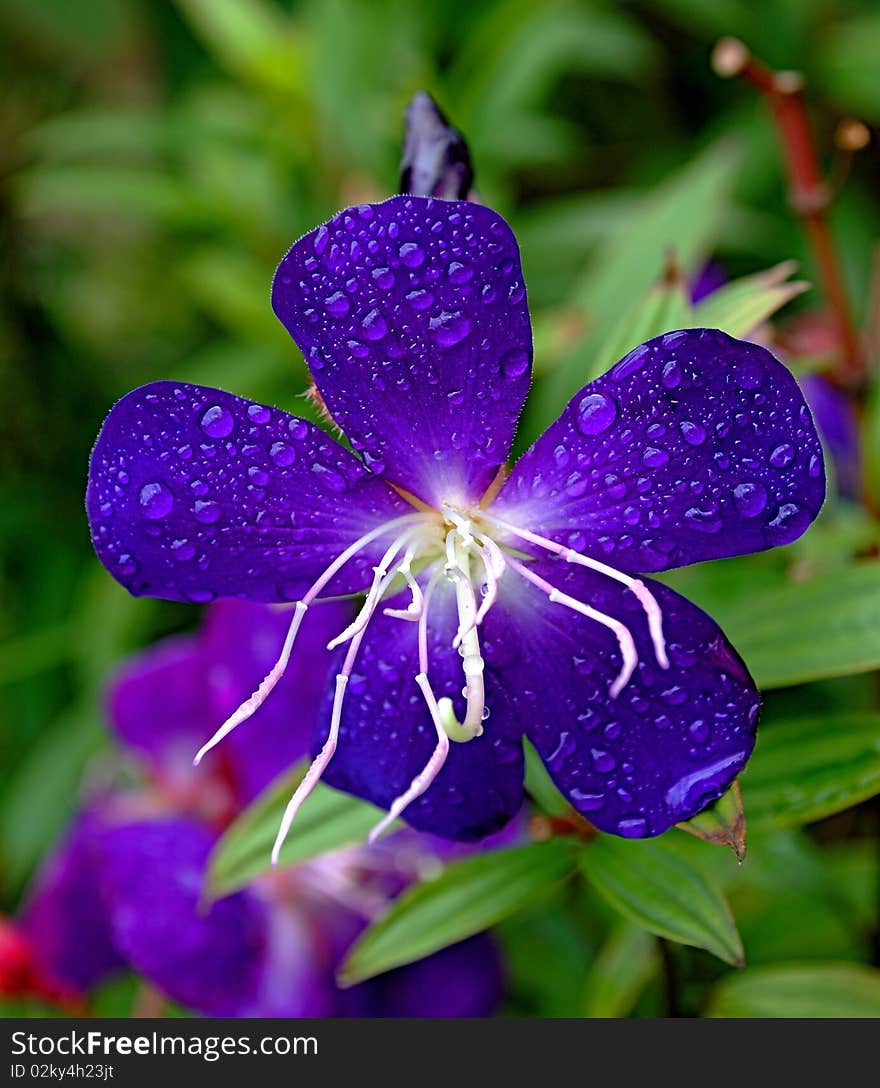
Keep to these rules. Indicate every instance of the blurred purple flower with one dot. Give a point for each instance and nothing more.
(412, 316)
(838, 422)
(124, 889)
(709, 277)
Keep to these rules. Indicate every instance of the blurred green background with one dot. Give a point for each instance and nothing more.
(156, 161)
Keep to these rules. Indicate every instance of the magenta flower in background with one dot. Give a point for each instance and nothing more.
(513, 594)
(124, 889)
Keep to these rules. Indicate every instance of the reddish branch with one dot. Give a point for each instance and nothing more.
(808, 193)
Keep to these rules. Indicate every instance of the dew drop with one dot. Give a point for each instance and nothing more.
(420, 300)
(596, 413)
(515, 363)
(411, 254)
(258, 476)
(207, 511)
(218, 422)
(383, 278)
(750, 498)
(449, 328)
(694, 433)
(460, 273)
(654, 457)
(299, 429)
(374, 325)
(156, 501)
(671, 375)
(632, 827)
(282, 454)
(782, 456)
(259, 413)
(338, 304)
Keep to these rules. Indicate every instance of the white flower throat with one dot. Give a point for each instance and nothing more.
(474, 550)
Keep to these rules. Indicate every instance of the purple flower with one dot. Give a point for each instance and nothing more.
(125, 887)
(838, 423)
(524, 588)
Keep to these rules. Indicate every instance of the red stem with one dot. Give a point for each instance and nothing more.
(808, 194)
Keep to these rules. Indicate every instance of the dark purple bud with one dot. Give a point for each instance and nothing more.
(436, 160)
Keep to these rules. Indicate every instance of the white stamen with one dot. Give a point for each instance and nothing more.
(428, 773)
(369, 606)
(647, 600)
(621, 631)
(414, 609)
(253, 703)
(319, 763)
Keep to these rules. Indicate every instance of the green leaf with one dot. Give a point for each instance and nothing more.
(682, 213)
(803, 631)
(540, 786)
(664, 308)
(799, 990)
(328, 820)
(624, 966)
(468, 897)
(653, 884)
(738, 308)
(807, 769)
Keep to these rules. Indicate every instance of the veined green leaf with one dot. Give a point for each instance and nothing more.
(468, 897)
(806, 769)
(328, 821)
(654, 885)
(799, 990)
(811, 630)
(620, 972)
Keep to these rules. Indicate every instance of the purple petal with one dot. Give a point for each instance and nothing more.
(156, 703)
(195, 494)
(673, 739)
(709, 277)
(64, 915)
(386, 735)
(241, 642)
(695, 446)
(215, 959)
(836, 417)
(166, 702)
(412, 317)
(464, 980)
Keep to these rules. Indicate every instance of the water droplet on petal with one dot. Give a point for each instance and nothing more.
(782, 456)
(298, 428)
(671, 375)
(282, 454)
(338, 304)
(694, 433)
(411, 254)
(156, 501)
(207, 511)
(258, 413)
(460, 273)
(632, 827)
(515, 363)
(654, 457)
(596, 413)
(218, 422)
(449, 328)
(750, 498)
(374, 325)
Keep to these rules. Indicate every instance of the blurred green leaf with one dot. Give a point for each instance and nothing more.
(683, 214)
(653, 884)
(738, 308)
(468, 897)
(253, 38)
(847, 59)
(810, 768)
(665, 307)
(328, 821)
(625, 964)
(827, 626)
(799, 990)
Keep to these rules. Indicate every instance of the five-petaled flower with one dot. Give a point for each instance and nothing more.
(412, 317)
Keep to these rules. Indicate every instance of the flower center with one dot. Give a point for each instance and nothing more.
(470, 548)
